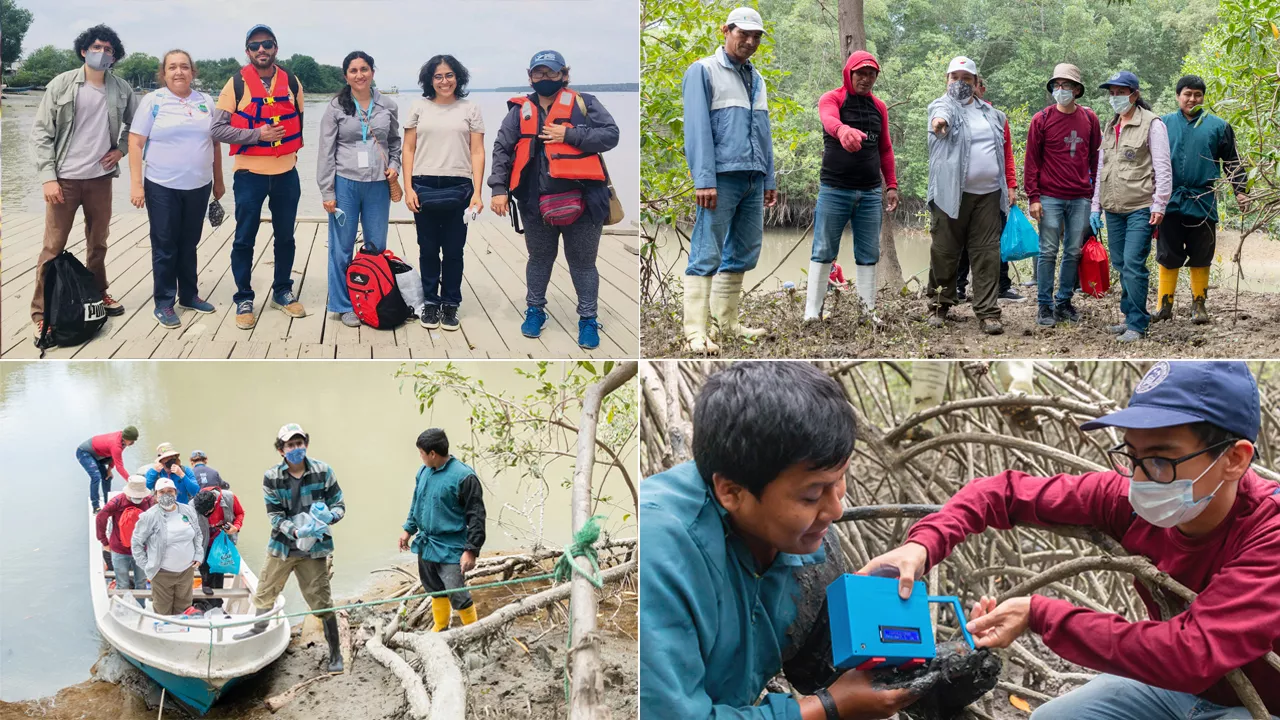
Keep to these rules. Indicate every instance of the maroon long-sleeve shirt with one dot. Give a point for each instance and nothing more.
(1235, 568)
(1062, 154)
(112, 511)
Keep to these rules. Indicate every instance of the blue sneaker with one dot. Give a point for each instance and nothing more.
(198, 305)
(167, 317)
(589, 333)
(534, 319)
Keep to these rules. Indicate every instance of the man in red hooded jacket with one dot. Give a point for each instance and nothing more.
(856, 153)
(1184, 496)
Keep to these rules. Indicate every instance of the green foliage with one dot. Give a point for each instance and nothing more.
(139, 70)
(43, 64)
(15, 20)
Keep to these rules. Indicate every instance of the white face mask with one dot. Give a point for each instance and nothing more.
(1063, 97)
(1169, 504)
(1121, 103)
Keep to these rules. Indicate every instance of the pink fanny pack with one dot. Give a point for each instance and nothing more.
(563, 208)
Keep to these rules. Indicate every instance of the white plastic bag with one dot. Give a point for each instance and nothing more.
(410, 284)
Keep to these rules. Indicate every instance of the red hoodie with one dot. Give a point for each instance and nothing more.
(219, 516)
(1232, 623)
(111, 445)
(837, 163)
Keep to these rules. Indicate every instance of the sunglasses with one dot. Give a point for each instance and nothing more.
(267, 44)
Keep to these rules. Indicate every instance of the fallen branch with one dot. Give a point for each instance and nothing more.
(415, 693)
(441, 672)
(275, 702)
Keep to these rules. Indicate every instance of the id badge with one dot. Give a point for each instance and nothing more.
(362, 159)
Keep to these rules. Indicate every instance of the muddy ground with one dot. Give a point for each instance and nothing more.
(506, 679)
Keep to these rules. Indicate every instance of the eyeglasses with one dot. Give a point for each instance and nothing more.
(545, 75)
(265, 44)
(442, 78)
(1157, 469)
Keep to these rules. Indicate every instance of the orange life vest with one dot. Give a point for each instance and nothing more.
(564, 161)
(268, 107)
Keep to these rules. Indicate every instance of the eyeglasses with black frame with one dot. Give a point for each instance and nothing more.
(1157, 469)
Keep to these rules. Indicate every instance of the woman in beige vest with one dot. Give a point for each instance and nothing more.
(1135, 180)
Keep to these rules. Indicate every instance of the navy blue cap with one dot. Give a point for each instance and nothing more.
(1183, 392)
(550, 58)
(1124, 78)
(257, 28)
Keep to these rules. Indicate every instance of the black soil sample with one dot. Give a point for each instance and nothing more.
(957, 677)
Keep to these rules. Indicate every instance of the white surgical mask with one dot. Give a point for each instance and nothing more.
(1063, 97)
(1120, 103)
(1169, 504)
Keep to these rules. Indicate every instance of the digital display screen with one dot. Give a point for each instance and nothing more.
(899, 635)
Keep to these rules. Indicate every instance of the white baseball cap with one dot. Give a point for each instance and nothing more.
(288, 432)
(962, 64)
(746, 18)
(165, 483)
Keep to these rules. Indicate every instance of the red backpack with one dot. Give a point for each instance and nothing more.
(128, 519)
(1095, 267)
(371, 282)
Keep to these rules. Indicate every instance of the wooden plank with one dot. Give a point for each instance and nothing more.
(312, 288)
(211, 349)
(142, 348)
(287, 349)
(312, 351)
(502, 292)
(251, 350)
(355, 352)
(259, 278)
(273, 324)
(391, 353)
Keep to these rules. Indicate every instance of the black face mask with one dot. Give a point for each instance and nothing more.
(547, 88)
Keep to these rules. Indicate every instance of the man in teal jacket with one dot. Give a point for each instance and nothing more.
(1199, 142)
(725, 540)
(447, 516)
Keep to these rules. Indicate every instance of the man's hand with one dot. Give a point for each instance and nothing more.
(939, 127)
(770, 198)
(468, 562)
(858, 700)
(404, 540)
(109, 160)
(706, 198)
(330, 206)
(270, 133)
(1036, 210)
(53, 192)
(850, 138)
(499, 205)
(1155, 218)
(891, 200)
(552, 133)
(997, 626)
(907, 562)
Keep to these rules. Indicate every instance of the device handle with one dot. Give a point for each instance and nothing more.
(954, 602)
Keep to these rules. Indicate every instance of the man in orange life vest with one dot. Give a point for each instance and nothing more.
(259, 114)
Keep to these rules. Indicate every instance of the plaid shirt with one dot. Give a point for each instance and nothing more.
(287, 496)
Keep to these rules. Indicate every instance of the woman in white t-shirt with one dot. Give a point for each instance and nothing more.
(444, 158)
(173, 165)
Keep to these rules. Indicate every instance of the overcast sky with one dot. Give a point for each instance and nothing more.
(494, 39)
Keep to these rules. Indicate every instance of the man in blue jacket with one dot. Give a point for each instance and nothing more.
(447, 516)
(730, 156)
(1199, 142)
(725, 542)
(168, 465)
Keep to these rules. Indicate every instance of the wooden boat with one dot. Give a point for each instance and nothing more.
(194, 658)
(393, 90)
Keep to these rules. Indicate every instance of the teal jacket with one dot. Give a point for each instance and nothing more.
(714, 628)
(447, 515)
(1196, 148)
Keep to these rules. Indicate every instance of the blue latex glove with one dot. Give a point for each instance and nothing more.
(1095, 222)
(321, 512)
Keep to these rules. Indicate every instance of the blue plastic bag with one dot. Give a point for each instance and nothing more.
(1019, 240)
(223, 556)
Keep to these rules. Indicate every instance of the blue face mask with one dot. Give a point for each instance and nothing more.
(296, 455)
(340, 216)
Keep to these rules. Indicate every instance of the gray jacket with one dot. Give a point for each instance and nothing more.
(56, 114)
(341, 142)
(949, 154)
(151, 537)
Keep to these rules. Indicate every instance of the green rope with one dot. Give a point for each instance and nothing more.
(583, 545)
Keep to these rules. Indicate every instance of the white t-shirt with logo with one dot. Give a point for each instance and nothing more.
(179, 150)
(983, 174)
(180, 550)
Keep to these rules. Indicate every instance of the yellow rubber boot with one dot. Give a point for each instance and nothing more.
(1168, 287)
(468, 615)
(440, 611)
(1199, 293)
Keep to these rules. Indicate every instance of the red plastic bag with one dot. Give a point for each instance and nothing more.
(1095, 267)
(837, 275)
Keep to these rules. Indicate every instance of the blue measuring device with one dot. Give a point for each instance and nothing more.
(873, 628)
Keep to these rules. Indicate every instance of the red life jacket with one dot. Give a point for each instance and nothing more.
(564, 161)
(268, 107)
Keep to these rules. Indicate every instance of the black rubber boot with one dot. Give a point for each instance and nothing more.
(335, 646)
(256, 629)
(1166, 309)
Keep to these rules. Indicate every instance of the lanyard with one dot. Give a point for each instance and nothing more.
(365, 117)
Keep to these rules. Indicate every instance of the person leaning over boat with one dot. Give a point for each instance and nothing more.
(219, 512)
(444, 159)
(98, 454)
(446, 522)
(291, 488)
(547, 156)
(168, 544)
(170, 137)
(123, 511)
(168, 465)
(79, 135)
(359, 156)
(205, 475)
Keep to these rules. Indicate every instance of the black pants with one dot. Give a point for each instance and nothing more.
(177, 219)
(445, 576)
(1186, 241)
(442, 236)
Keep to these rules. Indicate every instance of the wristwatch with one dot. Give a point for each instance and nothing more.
(828, 704)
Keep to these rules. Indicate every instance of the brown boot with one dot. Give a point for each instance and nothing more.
(1166, 309)
(1199, 314)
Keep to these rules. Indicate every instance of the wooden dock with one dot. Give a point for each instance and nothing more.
(492, 309)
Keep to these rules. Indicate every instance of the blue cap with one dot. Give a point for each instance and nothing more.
(1183, 392)
(259, 28)
(1124, 78)
(550, 58)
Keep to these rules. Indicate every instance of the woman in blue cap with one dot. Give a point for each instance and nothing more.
(1135, 180)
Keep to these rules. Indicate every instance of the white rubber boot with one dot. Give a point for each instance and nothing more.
(726, 296)
(818, 273)
(697, 294)
(865, 278)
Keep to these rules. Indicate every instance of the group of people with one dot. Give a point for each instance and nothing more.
(1134, 173)
(159, 530)
(547, 170)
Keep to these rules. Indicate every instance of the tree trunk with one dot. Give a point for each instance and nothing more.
(853, 31)
(587, 693)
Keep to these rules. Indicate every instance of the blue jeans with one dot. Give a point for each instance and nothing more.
(1109, 697)
(89, 462)
(442, 238)
(1073, 215)
(129, 574)
(369, 204)
(835, 209)
(728, 239)
(281, 193)
(1129, 240)
(176, 218)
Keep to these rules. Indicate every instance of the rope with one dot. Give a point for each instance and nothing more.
(583, 545)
